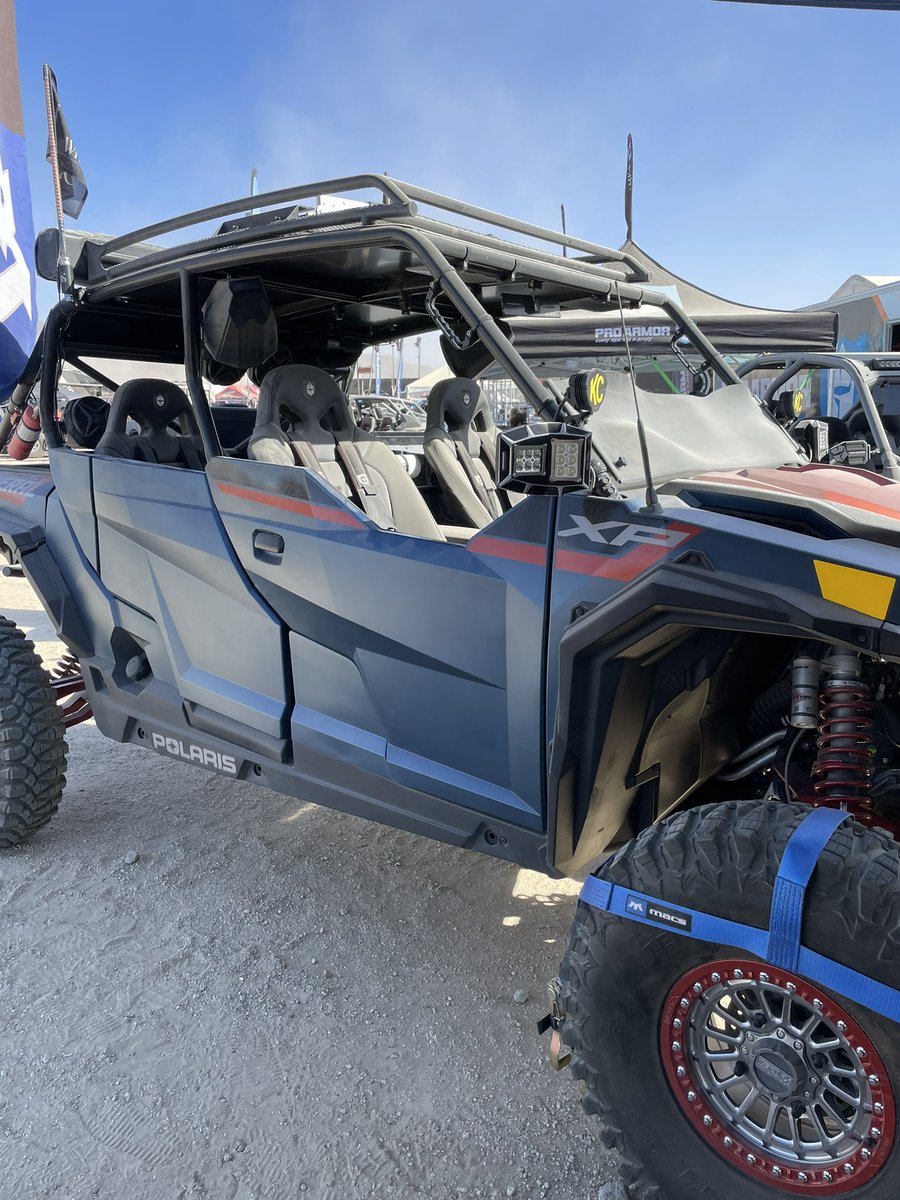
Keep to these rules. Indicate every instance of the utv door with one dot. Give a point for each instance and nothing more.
(215, 648)
(414, 661)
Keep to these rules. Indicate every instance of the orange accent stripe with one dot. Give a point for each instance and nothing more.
(882, 311)
(317, 512)
(526, 552)
(866, 505)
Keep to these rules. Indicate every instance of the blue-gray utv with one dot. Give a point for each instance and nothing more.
(641, 638)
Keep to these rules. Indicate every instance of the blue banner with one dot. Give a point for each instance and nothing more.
(18, 309)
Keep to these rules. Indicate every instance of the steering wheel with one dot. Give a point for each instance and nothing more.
(858, 427)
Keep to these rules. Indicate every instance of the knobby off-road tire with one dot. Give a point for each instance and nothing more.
(32, 746)
(627, 986)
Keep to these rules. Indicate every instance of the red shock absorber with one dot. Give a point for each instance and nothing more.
(843, 767)
(25, 434)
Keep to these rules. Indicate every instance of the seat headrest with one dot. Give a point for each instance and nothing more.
(459, 406)
(153, 403)
(308, 397)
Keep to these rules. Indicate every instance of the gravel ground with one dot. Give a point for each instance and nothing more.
(273, 1000)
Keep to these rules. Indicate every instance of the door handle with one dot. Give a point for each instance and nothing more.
(267, 545)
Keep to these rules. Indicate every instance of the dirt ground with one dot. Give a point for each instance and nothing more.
(273, 1001)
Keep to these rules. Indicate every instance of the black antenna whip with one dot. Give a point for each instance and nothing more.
(562, 221)
(651, 502)
(629, 190)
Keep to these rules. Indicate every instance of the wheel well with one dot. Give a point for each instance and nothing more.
(649, 723)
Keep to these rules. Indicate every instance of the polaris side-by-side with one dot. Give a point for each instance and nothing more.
(642, 631)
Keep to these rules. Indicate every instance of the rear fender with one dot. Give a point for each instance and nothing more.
(28, 504)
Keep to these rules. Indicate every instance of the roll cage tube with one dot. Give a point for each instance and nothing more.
(430, 250)
(54, 329)
(836, 362)
(190, 316)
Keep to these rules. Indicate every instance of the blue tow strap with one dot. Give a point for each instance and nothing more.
(798, 862)
(781, 943)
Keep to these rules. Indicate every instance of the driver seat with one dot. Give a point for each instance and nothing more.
(460, 445)
(155, 404)
(303, 419)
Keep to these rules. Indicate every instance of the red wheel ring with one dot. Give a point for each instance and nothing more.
(777, 1078)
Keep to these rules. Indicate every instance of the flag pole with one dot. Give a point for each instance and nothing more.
(64, 266)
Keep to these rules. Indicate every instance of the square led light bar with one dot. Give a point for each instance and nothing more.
(529, 460)
(565, 460)
(544, 457)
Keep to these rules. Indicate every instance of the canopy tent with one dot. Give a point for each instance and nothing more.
(419, 389)
(732, 328)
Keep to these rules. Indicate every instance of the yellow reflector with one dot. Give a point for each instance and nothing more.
(863, 591)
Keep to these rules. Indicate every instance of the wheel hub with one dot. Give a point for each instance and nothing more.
(778, 1072)
(777, 1078)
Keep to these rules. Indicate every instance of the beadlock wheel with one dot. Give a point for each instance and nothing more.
(657, 1022)
(777, 1078)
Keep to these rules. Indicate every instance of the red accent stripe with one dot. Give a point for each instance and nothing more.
(317, 512)
(526, 552)
(12, 497)
(623, 567)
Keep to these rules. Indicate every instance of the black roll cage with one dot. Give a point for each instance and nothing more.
(109, 268)
(837, 362)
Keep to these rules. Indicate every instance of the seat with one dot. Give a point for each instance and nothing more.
(304, 419)
(460, 444)
(156, 405)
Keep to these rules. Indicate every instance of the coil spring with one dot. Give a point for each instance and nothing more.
(843, 767)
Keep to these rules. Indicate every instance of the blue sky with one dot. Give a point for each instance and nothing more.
(766, 161)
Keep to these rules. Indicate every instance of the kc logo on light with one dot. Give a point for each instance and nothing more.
(598, 532)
